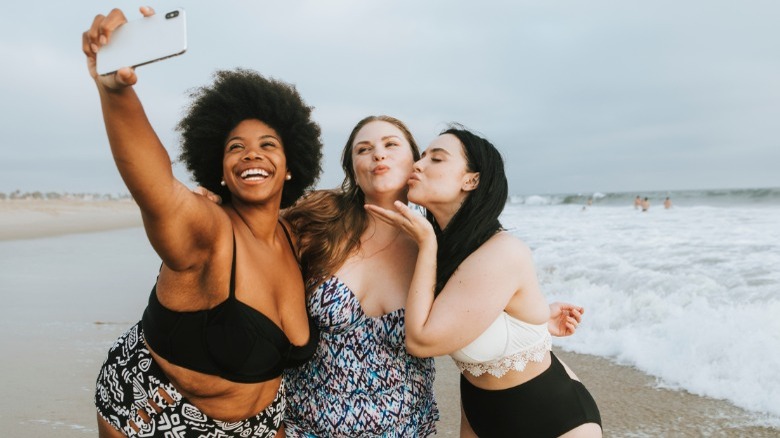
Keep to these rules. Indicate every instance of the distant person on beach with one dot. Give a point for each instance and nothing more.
(645, 204)
(637, 202)
(667, 203)
(358, 271)
(227, 314)
(474, 295)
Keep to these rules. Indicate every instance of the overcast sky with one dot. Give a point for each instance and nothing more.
(580, 95)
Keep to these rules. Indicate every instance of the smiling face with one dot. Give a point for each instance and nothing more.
(382, 160)
(441, 179)
(254, 165)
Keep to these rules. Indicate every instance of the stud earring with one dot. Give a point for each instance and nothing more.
(222, 183)
(288, 177)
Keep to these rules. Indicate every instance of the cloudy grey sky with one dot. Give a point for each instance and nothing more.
(579, 95)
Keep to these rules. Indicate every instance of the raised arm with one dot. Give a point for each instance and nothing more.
(180, 224)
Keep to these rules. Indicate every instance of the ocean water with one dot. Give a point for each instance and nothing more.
(690, 295)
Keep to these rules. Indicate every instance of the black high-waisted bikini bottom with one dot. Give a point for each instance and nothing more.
(548, 405)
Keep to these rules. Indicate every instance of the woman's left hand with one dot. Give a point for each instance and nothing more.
(406, 219)
(564, 319)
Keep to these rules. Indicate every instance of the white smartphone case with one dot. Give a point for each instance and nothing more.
(143, 41)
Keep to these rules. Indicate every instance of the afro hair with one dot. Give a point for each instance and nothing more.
(238, 95)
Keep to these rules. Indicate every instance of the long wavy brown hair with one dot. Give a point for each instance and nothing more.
(329, 223)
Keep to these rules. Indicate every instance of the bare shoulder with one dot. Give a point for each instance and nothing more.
(500, 265)
(504, 246)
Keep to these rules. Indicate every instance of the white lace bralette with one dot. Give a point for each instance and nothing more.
(508, 344)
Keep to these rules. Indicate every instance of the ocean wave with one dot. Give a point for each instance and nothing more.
(686, 295)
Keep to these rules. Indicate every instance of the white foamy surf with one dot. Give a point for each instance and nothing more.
(690, 295)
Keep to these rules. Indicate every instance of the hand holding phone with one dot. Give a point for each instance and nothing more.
(143, 41)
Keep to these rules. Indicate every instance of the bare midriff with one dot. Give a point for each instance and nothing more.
(511, 378)
(219, 398)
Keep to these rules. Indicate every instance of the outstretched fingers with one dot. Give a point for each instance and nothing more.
(406, 219)
(391, 217)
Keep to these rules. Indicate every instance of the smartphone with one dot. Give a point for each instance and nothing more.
(143, 41)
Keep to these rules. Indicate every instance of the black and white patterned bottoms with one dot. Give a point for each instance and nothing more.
(129, 378)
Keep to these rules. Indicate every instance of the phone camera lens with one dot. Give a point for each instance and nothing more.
(172, 14)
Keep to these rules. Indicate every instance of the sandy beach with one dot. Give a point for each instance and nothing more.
(29, 218)
(57, 323)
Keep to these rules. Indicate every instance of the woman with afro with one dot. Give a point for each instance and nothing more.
(227, 313)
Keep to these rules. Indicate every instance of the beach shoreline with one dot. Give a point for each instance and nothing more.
(32, 218)
(49, 379)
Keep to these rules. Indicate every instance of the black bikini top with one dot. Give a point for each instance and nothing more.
(232, 340)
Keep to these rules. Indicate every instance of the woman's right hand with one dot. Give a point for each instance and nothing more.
(98, 35)
(413, 223)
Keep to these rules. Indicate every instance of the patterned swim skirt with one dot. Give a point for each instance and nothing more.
(130, 379)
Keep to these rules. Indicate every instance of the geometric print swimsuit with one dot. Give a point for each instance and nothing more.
(360, 382)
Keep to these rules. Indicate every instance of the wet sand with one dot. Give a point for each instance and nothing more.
(26, 219)
(53, 347)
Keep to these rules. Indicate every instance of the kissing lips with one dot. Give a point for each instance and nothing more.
(380, 169)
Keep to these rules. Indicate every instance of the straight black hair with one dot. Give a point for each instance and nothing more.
(476, 220)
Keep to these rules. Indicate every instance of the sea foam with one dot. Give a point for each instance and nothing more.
(689, 295)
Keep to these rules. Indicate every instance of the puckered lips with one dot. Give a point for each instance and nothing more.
(380, 169)
(413, 178)
(255, 175)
